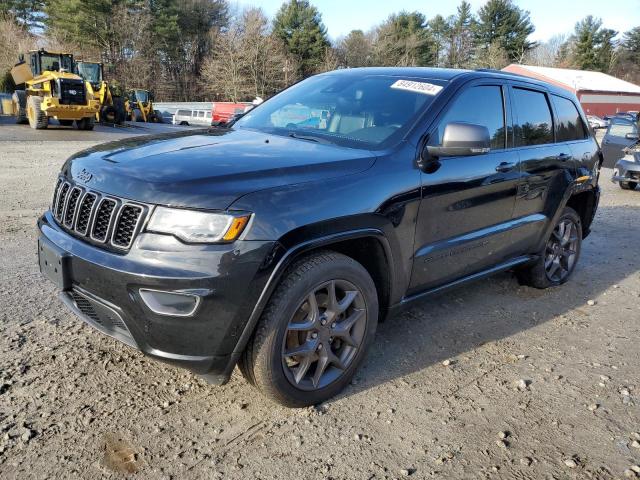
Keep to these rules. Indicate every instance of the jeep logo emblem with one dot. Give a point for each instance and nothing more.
(73, 92)
(84, 176)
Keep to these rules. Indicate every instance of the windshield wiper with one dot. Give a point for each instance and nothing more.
(309, 138)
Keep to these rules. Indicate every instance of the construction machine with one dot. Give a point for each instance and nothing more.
(139, 106)
(52, 90)
(112, 108)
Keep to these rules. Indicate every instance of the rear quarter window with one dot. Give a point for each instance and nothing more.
(570, 126)
(534, 125)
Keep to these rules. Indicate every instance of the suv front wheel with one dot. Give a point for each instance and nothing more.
(559, 256)
(314, 332)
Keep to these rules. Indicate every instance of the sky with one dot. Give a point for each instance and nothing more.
(550, 17)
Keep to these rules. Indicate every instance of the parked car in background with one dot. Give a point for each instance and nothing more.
(596, 122)
(627, 170)
(223, 112)
(192, 117)
(622, 132)
(278, 244)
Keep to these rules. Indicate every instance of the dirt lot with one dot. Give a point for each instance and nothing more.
(489, 381)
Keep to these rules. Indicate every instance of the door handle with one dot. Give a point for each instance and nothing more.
(563, 157)
(505, 167)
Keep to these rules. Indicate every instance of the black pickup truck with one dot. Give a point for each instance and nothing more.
(278, 243)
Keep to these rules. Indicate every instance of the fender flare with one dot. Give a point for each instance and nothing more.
(285, 259)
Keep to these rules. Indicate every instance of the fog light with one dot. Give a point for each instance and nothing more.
(170, 303)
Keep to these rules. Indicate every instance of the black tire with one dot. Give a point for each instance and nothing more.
(265, 363)
(86, 123)
(66, 123)
(157, 117)
(539, 274)
(19, 100)
(628, 185)
(136, 115)
(108, 114)
(37, 118)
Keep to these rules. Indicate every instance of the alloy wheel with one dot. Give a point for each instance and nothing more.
(561, 251)
(324, 335)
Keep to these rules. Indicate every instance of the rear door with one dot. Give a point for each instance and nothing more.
(548, 167)
(467, 202)
(615, 140)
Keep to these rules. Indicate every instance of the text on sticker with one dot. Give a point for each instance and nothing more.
(418, 87)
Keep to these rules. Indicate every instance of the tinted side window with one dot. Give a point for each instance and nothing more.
(481, 105)
(570, 126)
(534, 125)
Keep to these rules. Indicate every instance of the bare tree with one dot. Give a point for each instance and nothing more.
(14, 40)
(494, 56)
(546, 54)
(249, 60)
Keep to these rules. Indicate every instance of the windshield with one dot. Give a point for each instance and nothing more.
(90, 71)
(355, 111)
(53, 62)
(141, 96)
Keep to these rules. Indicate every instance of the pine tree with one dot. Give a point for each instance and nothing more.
(593, 46)
(461, 44)
(404, 40)
(356, 50)
(26, 13)
(439, 32)
(503, 22)
(298, 24)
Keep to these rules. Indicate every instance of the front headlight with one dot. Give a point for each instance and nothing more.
(193, 226)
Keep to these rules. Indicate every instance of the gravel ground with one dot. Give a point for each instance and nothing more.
(492, 380)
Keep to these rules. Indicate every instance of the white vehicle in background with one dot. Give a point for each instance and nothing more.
(596, 122)
(192, 117)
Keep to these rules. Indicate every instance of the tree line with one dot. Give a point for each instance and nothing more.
(188, 50)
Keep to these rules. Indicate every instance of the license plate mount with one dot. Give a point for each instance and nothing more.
(54, 264)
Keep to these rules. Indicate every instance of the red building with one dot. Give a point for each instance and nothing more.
(599, 94)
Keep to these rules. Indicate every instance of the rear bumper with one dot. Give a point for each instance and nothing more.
(104, 291)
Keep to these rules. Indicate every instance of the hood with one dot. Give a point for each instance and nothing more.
(208, 170)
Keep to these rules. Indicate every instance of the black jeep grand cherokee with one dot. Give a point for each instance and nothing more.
(278, 243)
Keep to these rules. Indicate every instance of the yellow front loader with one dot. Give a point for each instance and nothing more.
(51, 90)
(139, 106)
(112, 107)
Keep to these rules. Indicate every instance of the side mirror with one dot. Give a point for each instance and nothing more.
(631, 136)
(462, 139)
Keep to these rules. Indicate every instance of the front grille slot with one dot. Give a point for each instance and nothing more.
(62, 197)
(126, 225)
(84, 213)
(110, 222)
(72, 92)
(72, 204)
(102, 222)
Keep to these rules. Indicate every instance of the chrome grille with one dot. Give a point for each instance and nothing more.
(99, 219)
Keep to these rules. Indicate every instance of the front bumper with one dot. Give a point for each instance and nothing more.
(52, 108)
(103, 289)
(626, 171)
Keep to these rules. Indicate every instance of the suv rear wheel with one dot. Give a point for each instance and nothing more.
(559, 256)
(314, 332)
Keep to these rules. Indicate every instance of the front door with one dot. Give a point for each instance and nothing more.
(467, 202)
(616, 139)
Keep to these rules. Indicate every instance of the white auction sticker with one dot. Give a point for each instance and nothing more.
(418, 87)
